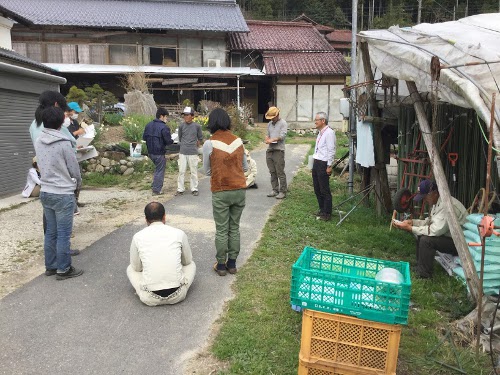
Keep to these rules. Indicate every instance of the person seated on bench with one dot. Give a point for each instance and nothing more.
(161, 266)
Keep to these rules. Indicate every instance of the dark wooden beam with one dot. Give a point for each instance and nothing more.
(382, 181)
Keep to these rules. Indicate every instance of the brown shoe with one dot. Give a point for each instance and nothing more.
(324, 217)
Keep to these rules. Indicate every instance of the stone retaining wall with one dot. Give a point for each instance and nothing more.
(112, 162)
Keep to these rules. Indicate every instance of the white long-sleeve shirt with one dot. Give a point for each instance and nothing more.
(159, 251)
(31, 182)
(437, 224)
(325, 145)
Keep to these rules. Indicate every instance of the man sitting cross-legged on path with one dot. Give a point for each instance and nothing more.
(161, 266)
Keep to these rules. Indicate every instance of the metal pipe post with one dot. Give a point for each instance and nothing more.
(238, 92)
(352, 118)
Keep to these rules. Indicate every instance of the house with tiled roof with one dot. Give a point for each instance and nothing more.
(180, 44)
(341, 40)
(323, 29)
(304, 73)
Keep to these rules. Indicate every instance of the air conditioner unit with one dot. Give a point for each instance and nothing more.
(213, 63)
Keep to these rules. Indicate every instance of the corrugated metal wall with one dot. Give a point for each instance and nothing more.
(17, 111)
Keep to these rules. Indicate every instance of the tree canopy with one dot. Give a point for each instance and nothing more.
(371, 13)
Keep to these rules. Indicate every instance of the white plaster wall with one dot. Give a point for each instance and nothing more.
(285, 101)
(304, 102)
(299, 103)
(335, 94)
(5, 39)
(321, 100)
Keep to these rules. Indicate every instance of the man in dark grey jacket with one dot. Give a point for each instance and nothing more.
(157, 137)
(60, 177)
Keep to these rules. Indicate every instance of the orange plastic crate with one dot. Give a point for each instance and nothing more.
(349, 344)
(306, 368)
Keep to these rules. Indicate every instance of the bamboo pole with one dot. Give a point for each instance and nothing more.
(485, 213)
(444, 192)
(382, 180)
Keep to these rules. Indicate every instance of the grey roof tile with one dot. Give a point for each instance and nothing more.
(207, 15)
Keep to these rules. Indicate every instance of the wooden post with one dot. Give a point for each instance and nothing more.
(382, 180)
(444, 193)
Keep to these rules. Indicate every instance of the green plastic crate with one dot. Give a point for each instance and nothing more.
(342, 283)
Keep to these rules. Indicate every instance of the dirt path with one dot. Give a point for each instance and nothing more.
(21, 233)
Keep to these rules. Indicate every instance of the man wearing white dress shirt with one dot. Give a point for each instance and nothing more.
(161, 266)
(324, 152)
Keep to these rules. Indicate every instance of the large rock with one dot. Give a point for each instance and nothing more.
(99, 168)
(105, 162)
(129, 171)
(115, 155)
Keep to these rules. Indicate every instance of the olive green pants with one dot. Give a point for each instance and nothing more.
(227, 209)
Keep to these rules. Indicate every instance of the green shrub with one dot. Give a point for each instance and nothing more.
(112, 118)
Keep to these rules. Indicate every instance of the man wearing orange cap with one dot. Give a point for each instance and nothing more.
(275, 155)
(432, 233)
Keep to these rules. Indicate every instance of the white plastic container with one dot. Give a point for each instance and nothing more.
(389, 275)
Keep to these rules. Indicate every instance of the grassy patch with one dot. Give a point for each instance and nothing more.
(12, 207)
(260, 333)
(97, 179)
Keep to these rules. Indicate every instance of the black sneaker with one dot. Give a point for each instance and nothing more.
(50, 272)
(231, 266)
(74, 252)
(72, 272)
(177, 193)
(220, 268)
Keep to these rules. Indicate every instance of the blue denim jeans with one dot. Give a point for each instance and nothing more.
(58, 212)
(159, 174)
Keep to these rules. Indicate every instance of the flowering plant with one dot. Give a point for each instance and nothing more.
(134, 125)
(202, 120)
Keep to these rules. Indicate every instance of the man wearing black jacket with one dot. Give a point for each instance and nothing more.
(157, 137)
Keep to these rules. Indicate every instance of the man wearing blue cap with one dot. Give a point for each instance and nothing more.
(74, 127)
(433, 233)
